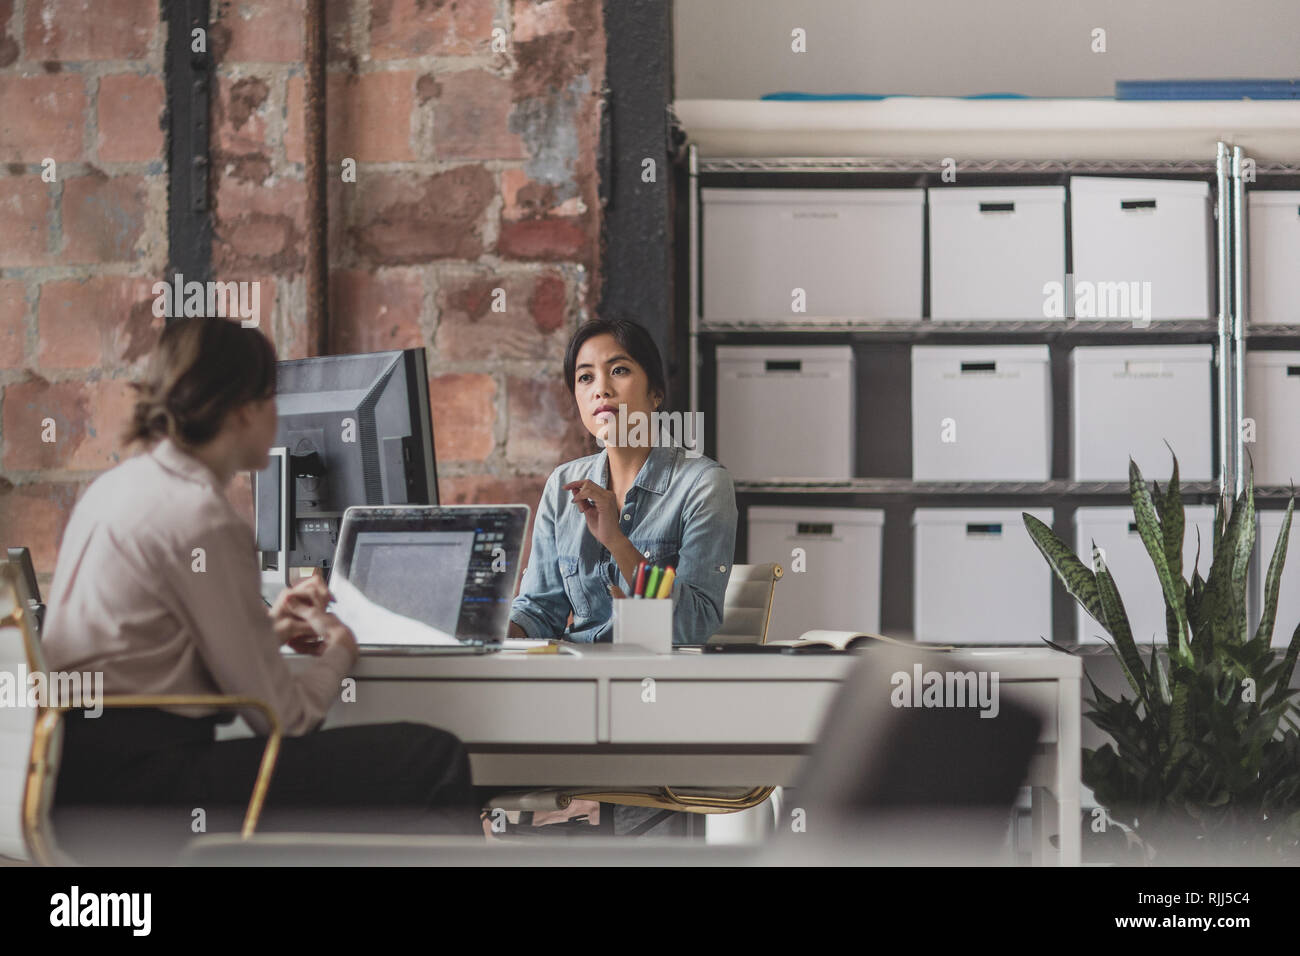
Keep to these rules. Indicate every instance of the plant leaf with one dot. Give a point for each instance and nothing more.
(1264, 632)
(1144, 514)
(1173, 521)
(1117, 624)
(1283, 686)
(1073, 573)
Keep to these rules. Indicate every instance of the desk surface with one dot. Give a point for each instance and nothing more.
(632, 662)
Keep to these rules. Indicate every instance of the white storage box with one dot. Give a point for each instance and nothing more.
(981, 413)
(838, 588)
(1126, 557)
(992, 250)
(1126, 233)
(1272, 400)
(1288, 595)
(980, 579)
(785, 411)
(855, 253)
(1274, 250)
(1129, 400)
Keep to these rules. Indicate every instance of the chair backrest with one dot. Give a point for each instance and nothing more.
(747, 606)
(20, 655)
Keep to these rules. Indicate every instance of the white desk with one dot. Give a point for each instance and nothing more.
(715, 720)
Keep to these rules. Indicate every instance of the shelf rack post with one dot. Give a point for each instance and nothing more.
(1240, 302)
(693, 250)
(1223, 354)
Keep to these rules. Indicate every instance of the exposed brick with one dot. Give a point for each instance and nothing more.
(464, 414)
(368, 118)
(42, 116)
(341, 41)
(9, 31)
(83, 323)
(376, 311)
(13, 326)
(409, 28)
(544, 423)
(525, 198)
(552, 47)
(544, 239)
(88, 420)
(491, 490)
(548, 303)
(34, 516)
(129, 109)
(258, 31)
(533, 19)
(472, 118)
(240, 115)
(103, 217)
(402, 220)
(469, 329)
(25, 211)
(259, 229)
(89, 29)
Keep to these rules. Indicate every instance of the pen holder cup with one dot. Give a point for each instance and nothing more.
(647, 622)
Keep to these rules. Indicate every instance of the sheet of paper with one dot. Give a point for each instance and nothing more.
(373, 624)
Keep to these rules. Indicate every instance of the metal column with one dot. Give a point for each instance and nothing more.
(1239, 306)
(1223, 355)
(693, 250)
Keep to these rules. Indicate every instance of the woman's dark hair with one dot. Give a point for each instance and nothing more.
(201, 369)
(635, 341)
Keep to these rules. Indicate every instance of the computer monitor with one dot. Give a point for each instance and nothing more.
(353, 430)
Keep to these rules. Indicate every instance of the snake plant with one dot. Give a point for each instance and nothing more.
(1205, 752)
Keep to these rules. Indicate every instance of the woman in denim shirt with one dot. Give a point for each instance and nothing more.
(641, 500)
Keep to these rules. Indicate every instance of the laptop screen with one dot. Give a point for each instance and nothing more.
(394, 570)
(428, 575)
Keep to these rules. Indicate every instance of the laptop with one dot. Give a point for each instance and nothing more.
(422, 579)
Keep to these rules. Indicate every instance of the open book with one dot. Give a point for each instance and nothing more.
(852, 640)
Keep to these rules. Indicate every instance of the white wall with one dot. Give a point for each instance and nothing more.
(740, 49)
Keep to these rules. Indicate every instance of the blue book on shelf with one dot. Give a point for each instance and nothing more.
(793, 96)
(1207, 89)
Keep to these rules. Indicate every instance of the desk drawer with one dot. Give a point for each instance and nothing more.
(479, 711)
(718, 712)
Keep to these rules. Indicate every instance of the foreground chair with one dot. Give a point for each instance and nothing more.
(31, 737)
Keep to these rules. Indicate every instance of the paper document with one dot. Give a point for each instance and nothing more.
(373, 624)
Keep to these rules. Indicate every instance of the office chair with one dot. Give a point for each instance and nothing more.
(747, 604)
(915, 779)
(31, 737)
(746, 611)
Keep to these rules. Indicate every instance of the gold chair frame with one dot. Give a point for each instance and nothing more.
(38, 791)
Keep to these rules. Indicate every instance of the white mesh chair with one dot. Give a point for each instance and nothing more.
(31, 737)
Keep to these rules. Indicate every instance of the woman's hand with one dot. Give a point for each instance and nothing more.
(289, 613)
(600, 508)
(326, 631)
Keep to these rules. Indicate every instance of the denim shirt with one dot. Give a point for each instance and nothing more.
(679, 511)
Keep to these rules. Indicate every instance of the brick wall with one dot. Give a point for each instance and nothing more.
(83, 236)
(475, 172)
